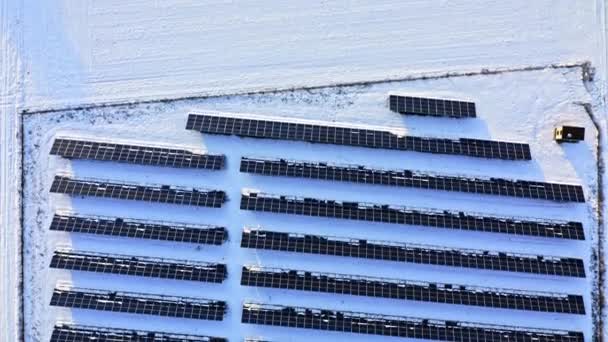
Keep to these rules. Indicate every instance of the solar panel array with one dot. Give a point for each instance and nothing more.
(141, 229)
(149, 193)
(311, 281)
(410, 290)
(350, 136)
(398, 326)
(138, 303)
(139, 266)
(135, 154)
(79, 333)
(251, 200)
(412, 253)
(413, 179)
(431, 107)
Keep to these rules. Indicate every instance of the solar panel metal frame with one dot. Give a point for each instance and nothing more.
(141, 266)
(90, 187)
(412, 253)
(142, 154)
(558, 192)
(425, 106)
(394, 214)
(398, 326)
(139, 303)
(68, 332)
(313, 132)
(139, 229)
(356, 285)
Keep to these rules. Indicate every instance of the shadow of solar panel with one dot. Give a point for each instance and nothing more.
(139, 266)
(394, 214)
(412, 253)
(398, 326)
(137, 192)
(411, 290)
(413, 179)
(135, 154)
(140, 229)
(139, 303)
(63, 332)
(431, 107)
(351, 136)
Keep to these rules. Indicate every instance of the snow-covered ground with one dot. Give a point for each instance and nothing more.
(111, 50)
(57, 53)
(511, 106)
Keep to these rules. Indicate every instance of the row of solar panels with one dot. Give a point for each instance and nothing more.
(322, 208)
(327, 245)
(313, 132)
(300, 317)
(412, 105)
(141, 154)
(320, 282)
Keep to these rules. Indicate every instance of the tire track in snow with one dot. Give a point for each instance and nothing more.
(10, 227)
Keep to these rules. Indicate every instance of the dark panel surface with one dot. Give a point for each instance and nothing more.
(394, 214)
(412, 253)
(413, 179)
(135, 154)
(140, 229)
(373, 324)
(138, 303)
(431, 107)
(83, 333)
(360, 137)
(411, 290)
(139, 266)
(137, 192)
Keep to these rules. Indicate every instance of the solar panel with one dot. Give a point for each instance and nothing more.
(411, 290)
(139, 303)
(139, 266)
(398, 326)
(412, 253)
(352, 136)
(138, 192)
(63, 332)
(413, 179)
(280, 204)
(139, 229)
(431, 107)
(135, 154)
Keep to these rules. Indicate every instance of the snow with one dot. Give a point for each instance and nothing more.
(519, 106)
(10, 99)
(59, 53)
(111, 50)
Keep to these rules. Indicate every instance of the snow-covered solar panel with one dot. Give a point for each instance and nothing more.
(412, 253)
(135, 154)
(431, 107)
(139, 229)
(139, 303)
(64, 332)
(280, 204)
(411, 290)
(414, 179)
(397, 326)
(337, 135)
(139, 266)
(138, 192)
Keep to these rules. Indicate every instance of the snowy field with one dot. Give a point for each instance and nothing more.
(62, 53)
(513, 106)
(112, 50)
